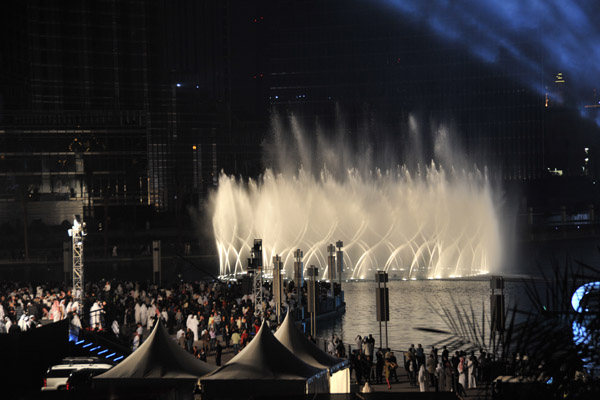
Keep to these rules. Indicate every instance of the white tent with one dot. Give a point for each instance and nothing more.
(264, 367)
(295, 341)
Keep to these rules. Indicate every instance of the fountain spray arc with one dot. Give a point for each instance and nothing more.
(435, 223)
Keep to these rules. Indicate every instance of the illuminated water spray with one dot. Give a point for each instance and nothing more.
(428, 224)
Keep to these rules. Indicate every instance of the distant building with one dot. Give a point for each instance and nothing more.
(110, 105)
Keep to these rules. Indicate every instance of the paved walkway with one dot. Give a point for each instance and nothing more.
(402, 386)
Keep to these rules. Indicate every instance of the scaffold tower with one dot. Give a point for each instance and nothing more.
(255, 267)
(258, 293)
(77, 233)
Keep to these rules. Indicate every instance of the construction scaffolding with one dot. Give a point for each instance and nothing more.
(77, 233)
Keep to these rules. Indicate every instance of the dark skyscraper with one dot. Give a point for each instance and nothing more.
(110, 103)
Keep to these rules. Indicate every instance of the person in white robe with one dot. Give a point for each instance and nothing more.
(95, 320)
(136, 342)
(69, 308)
(54, 312)
(75, 321)
(462, 373)
(143, 314)
(193, 326)
(115, 328)
(138, 313)
(63, 309)
(151, 312)
(23, 323)
(472, 368)
(423, 379)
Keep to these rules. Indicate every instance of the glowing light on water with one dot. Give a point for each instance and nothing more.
(413, 227)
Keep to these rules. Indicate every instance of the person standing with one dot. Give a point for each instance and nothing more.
(358, 341)
(472, 371)
(226, 335)
(430, 366)
(411, 367)
(218, 351)
(181, 338)
(244, 338)
(143, 314)
(340, 350)
(389, 368)
(462, 374)
(448, 377)
(379, 366)
(138, 312)
(423, 379)
(394, 362)
(189, 340)
(331, 346)
(95, 320)
(441, 377)
(445, 355)
(420, 355)
(367, 359)
(192, 324)
(136, 341)
(358, 368)
(235, 341)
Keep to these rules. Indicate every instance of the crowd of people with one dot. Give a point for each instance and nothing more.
(197, 312)
(24, 307)
(208, 317)
(428, 371)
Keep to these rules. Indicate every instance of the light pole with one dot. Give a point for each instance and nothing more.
(331, 268)
(340, 261)
(298, 267)
(312, 273)
(277, 286)
(382, 303)
(497, 307)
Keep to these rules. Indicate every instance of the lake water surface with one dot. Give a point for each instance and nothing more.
(413, 304)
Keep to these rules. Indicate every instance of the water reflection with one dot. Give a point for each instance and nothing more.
(411, 307)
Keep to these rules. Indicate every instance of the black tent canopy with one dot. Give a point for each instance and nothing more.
(295, 341)
(264, 367)
(158, 359)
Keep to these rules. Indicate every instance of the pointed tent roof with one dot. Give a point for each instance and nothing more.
(158, 357)
(265, 358)
(295, 341)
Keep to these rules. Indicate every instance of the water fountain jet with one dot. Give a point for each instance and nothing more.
(436, 224)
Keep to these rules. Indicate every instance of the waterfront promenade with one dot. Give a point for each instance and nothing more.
(404, 386)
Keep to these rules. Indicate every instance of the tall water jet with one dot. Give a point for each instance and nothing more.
(432, 223)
